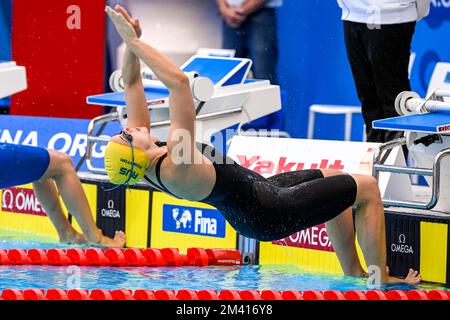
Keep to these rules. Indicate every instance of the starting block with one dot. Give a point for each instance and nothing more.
(427, 126)
(229, 99)
(13, 79)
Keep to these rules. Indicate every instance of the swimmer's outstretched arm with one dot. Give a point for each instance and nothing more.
(137, 108)
(182, 110)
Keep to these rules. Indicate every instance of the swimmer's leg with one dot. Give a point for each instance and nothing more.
(339, 229)
(371, 229)
(69, 186)
(342, 235)
(293, 178)
(47, 194)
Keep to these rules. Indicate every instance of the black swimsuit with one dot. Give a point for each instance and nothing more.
(273, 208)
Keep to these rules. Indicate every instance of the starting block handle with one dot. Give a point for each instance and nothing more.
(442, 93)
(435, 172)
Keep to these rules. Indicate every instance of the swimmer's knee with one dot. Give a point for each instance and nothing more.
(331, 172)
(367, 188)
(60, 162)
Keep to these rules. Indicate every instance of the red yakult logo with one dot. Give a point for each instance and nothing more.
(267, 167)
(312, 238)
(20, 200)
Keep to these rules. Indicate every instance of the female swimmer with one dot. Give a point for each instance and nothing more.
(259, 208)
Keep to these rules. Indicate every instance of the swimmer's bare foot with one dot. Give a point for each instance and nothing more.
(413, 277)
(72, 237)
(118, 241)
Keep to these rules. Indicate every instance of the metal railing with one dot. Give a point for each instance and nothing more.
(434, 172)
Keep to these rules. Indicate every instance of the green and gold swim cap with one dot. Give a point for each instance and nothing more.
(119, 164)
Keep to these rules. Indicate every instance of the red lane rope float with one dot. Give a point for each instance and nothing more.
(131, 257)
(123, 294)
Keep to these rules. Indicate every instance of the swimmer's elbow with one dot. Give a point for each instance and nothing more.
(179, 80)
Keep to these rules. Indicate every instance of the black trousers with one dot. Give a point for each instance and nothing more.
(379, 59)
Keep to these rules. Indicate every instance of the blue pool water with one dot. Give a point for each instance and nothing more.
(248, 277)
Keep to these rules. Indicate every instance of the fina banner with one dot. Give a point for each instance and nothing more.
(65, 135)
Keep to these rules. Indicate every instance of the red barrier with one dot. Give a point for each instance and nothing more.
(187, 295)
(334, 295)
(271, 295)
(10, 294)
(172, 257)
(375, 295)
(78, 294)
(116, 257)
(120, 257)
(292, 295)
(313, 295)
(135, 258)
(18, 257)
(77, 256)
(144, 295)
(96, 257)
(56, 294)
(396, 295)
(38, 256)
(33, 294)
(197, 257)
(165, 295)
(250, 295)
(122, 295)
(229, 295)
(224, 257)
(208, 295)
(99, 294)
(438, 295)
(154, 257)
(355, 295)
(57, 257)
(417, 295)
(4, 260)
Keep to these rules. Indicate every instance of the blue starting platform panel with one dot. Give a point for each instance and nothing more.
(428, 122)
(117, 99)
(221, 71)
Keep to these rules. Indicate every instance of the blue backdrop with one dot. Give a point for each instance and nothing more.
(5, 36)
(313, 65)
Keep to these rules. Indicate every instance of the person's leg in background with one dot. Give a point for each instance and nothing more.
(389, 51)
(235, 39)
(363, 77)
(263, 44)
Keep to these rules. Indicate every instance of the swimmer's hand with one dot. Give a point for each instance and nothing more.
(134, 22)
(124, 28)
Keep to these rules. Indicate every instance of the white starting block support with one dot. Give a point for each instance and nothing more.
(427, 125)
(13, 79)
(235, 100)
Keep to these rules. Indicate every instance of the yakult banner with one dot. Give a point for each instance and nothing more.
(271, 156)
(65, 135)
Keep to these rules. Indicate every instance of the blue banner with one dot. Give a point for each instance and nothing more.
(65, 135)
(5, 37)
(195, 221)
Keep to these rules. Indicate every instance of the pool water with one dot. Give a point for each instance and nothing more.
(247, 277)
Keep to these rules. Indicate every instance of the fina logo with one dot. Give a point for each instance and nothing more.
(195, 221)
(110, 212)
